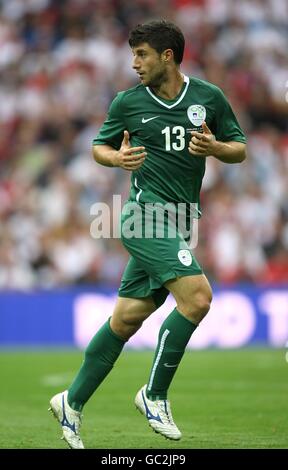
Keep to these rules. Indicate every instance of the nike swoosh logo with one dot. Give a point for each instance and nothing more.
(170, 365)
(149, 119)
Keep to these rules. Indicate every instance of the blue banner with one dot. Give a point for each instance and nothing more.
(239, 316)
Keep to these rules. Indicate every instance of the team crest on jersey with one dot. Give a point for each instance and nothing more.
(196, 114)
(185, 257)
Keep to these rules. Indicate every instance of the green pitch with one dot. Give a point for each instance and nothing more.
(220, 399)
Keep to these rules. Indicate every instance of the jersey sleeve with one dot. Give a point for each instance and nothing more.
(111, 132)
(227, 127)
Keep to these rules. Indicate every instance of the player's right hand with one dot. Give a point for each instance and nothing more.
(129, 158)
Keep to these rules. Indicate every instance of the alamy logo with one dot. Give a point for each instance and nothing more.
(149, 220)
(196, 114)
(149, 119)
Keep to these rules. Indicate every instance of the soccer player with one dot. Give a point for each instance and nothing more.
(162, 130)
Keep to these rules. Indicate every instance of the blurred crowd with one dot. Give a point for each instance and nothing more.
(61, 64)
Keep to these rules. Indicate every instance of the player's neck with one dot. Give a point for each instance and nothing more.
(170, 88)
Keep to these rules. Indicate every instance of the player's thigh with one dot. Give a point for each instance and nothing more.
(136, 283)
(132, 311)
(193, 294)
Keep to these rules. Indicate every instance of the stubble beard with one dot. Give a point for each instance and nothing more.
(157, 80)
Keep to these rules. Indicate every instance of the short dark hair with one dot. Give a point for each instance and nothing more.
(160, 35)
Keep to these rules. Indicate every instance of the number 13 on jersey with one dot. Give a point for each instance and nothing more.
(176, 135)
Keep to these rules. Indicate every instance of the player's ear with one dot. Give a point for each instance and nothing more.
(167, 55)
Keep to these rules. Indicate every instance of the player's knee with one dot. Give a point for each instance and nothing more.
(128, 319)
(202, 304)
(197, 306)
(125, 325)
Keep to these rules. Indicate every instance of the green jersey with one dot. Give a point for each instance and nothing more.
(169, 173)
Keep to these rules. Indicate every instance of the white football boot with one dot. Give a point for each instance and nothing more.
(159, 415)
(69, 419)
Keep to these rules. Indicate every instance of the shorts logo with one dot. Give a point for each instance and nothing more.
(185, 257)
(196, 114)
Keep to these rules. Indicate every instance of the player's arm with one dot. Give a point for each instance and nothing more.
(127, 157)
(204, 144)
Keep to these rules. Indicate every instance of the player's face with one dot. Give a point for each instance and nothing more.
(149, 65)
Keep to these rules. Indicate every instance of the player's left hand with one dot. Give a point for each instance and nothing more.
(202, 143)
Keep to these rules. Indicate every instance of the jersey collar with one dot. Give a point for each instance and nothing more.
(169, 106)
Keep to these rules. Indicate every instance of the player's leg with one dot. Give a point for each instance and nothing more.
(106, 346)
(193, 296)
(99, 358)
(134, 305)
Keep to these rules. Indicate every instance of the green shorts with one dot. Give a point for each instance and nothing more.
(154, 261)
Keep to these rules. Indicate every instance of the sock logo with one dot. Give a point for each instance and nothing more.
(170, 365)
